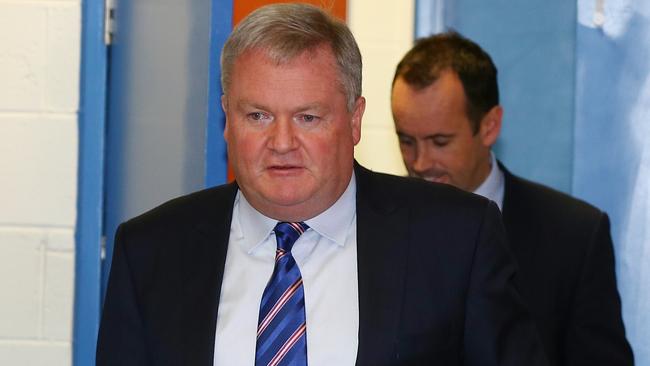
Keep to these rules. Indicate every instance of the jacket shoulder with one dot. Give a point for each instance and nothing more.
(446, 203)
(190, 209)
(524, 197)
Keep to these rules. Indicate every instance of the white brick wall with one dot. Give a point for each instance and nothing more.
(384, 31)
(39, 92)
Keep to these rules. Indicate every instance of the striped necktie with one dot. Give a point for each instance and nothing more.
(281, 329)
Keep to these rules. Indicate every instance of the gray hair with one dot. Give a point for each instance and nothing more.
(285, 31)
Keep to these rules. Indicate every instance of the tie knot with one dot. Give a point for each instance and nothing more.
(287, 233)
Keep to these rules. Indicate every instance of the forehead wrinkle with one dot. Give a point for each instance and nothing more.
(312, 106)
(245, 103)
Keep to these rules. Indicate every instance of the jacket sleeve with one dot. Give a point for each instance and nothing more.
(595, 333)
(498, 328)
(121, 333)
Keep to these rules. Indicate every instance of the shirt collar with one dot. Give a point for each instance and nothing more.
(493, 186)
(332, 223)
(252, 225)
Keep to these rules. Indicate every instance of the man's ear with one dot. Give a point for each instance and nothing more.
(357, 116)
(224, 103)
(224, 106)
(491, 126)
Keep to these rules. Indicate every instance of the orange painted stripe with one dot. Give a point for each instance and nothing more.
(241, 8)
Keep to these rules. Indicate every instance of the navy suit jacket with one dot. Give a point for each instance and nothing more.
(435, 280)
(566, 267)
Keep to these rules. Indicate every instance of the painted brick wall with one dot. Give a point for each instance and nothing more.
(384, 31)
(39, 83)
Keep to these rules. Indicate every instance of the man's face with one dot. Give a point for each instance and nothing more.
(435, 135)
(290, 135)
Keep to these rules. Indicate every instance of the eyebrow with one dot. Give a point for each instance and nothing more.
(310, 106)
(428, 137)
(247, 104)
(317, 107)
(445, 135)
(402, 134)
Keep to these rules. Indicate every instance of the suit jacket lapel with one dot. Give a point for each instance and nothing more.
(203, 261)
(510, 212)
(522, 237)
(382, 234)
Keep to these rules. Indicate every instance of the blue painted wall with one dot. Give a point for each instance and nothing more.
(216, 161)
(612, 144)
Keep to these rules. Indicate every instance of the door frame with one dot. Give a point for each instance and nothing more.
(90, 183)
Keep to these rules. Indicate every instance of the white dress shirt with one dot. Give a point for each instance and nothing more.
(327, 257)
(494, 185)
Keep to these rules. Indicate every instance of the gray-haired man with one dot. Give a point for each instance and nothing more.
(369, 268)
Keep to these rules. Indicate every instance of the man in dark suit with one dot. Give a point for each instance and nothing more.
(445, 104)
(369, 268)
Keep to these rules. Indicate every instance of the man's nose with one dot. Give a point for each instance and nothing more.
(283, 137)
(423, 159)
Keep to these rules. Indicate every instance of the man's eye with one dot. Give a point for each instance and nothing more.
(405, 142)
(308, 118)
(257, 116)
(441, 142)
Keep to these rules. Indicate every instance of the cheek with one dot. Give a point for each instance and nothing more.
(323, 153)
(408, 152)
(244, 150)
(443, 160)
(323, 142)
(462, 164)
(468, 157)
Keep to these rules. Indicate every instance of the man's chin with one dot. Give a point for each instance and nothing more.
(441, 179)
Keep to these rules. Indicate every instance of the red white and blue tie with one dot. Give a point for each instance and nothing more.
(281, 329)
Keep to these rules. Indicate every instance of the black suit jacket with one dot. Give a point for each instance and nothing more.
(435, 280)
(566, 261)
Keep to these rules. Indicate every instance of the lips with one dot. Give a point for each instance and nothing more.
(285, 169)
